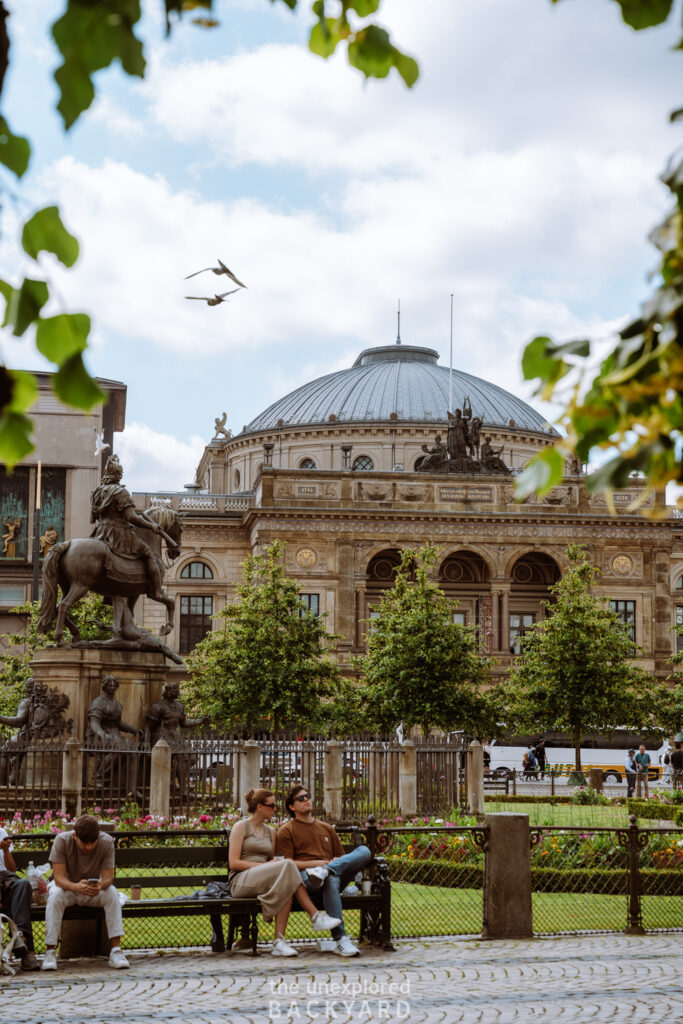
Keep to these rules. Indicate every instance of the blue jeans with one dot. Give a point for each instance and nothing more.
(341, 871)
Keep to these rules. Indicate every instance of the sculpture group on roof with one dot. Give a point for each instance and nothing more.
(464, 451)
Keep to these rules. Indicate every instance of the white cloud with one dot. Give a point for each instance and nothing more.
(154, 461)
(116, 120)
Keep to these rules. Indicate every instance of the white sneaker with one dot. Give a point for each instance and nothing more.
(345, 947)
(282, 948)
(317, 876)
(117, 960)
(322, 922)
(49, 960)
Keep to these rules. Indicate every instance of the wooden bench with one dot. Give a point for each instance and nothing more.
(185, 869)
(496, 782)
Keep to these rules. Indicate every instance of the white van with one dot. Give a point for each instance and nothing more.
(597, 751)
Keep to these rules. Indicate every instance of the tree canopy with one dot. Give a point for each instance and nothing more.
(575, 671)
(422, 668)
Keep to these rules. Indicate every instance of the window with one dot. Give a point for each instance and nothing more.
(363, 464)
(311, 603)
(52, 519)
(679, 622)
(14, 504)
(196, 571)
(679, 583)
(13, 594)
(459, 618)
(520, 622)
(307, 464)
(195, 620)
(626, 613)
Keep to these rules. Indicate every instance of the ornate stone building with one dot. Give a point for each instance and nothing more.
(331, 470)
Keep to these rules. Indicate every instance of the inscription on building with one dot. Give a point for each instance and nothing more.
(310, 491)
(466, 494)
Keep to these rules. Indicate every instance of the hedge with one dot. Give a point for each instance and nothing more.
(519, 799)
(654, 810)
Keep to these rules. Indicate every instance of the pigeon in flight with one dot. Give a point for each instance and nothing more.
(216, 300)
(100, 446)
(220, 269)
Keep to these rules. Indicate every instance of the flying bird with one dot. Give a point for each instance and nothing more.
(216, 300)
(220, 269)
(100, 446)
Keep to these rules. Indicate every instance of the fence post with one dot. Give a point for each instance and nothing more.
(635, 842)
(507, 878)
(72, 777)
(250, 771)
(308, 767)
(552, 782)
(407, 779)
(160, 780)
(475, 778)
(333, 780)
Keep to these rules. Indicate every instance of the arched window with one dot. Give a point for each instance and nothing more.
(679, 583)
(363, 464)
(196, 571)
(307, 464)
(237, 478)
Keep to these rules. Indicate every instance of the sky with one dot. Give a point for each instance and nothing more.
(520, 174)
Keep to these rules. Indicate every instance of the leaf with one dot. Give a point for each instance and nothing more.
(15, 150)
(363, 7)
(15, 437)
(325, 35)
(542, 473)
(641, 14)
(74, 386)
(24, 391)
(60, 337)
(45, 232)
(371, 52)
(25, 304)
(90, 36)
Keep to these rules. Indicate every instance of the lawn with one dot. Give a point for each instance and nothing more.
(612, 816)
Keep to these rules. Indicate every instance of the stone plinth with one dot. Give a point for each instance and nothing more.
(507, 878)
(79, 673)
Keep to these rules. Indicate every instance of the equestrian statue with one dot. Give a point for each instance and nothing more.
(121, 560)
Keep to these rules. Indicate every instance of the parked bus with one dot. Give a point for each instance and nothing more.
(607, 753)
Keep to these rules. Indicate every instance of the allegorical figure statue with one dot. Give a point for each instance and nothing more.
(113, 767)
(219, 427)
(166, 720)
(436, 456)
(12, 527)
(48, 540)
(491, 459)
(39, 716)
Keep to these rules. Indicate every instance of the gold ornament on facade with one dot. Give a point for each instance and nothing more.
(622, 565)
(306, 557)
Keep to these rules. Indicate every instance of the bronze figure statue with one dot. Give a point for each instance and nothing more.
(39, 716)
(166, 720)
(463, 452)
(121, 560)
(105, 730)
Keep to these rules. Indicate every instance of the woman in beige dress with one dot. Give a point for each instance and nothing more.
(255, 872)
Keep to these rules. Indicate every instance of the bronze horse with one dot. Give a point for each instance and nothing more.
(81, 565)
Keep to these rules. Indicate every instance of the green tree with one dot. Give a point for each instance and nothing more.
(632, 407)
(269, 664)
(93, 619)
(91, 35)
(421, 668)
(575, 671)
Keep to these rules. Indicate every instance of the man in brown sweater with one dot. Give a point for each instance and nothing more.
(315, 849)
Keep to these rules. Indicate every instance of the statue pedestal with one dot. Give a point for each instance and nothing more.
(79, 673)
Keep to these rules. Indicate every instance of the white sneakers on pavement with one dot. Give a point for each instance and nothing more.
(317, 876)
(322, 922)
(345, 947)
(49, 960)
(282, 948)
(117, 960)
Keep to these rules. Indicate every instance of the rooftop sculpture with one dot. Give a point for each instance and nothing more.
(464, 451)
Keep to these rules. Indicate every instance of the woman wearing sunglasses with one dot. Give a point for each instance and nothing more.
(255, 872)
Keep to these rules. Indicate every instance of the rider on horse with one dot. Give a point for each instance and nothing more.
(113, 510)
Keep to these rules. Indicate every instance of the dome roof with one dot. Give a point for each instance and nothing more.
(401, 379)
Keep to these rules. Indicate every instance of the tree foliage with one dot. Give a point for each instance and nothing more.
(421, 668)
(91, 36)
(269, 664)
(575, 671)
(632, 407)
(93, 619)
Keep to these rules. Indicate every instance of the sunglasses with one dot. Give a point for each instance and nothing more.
(301, 797)
(268, 805)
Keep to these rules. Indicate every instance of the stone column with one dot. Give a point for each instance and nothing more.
(507, 878)
(72, 778)
(345, 624)
(333, 780)
(160, 780)
(407, 780)
(505, 621)
(475, 778)
(495, 620)
(250, 771)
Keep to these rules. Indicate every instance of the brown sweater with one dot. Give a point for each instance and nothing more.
(308, 840)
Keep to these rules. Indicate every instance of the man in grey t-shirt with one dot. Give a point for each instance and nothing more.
(83, 872)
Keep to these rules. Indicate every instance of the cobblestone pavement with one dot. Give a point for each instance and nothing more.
(605, 978)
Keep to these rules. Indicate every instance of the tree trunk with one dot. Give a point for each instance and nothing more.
(577, 747)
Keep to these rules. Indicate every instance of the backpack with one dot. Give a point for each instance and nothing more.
(530, 760)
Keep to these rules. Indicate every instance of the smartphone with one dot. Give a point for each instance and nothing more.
(93, 881)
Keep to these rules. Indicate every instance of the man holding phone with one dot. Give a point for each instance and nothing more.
(83, 872)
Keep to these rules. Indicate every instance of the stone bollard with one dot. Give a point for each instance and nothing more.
(407, 779)
(72, 777)
(507, 878)
(333, 780)
(250, 771)
(475, 778)
(160, 780)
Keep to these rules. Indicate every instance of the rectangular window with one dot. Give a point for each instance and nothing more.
(52, 507)
(679, 622)
(311, 602)
(626, 612)
(14, 506)
(520, 622)
(195, 621)
(459, 618)
(11, 595)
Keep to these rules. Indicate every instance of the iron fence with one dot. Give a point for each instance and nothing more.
(441, 774)
(30, 776)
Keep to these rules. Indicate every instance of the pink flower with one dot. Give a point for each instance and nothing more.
(204, 818)
(399, 818)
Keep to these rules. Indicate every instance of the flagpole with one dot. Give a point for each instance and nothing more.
(450, 372)
(36, 537)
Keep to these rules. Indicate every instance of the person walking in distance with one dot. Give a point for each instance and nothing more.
(677, 765)
(315, 848)
(642, 760)
(631, 772)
